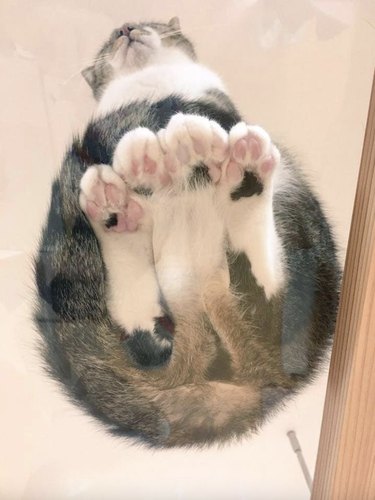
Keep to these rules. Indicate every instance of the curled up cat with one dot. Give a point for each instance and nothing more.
(187, 277)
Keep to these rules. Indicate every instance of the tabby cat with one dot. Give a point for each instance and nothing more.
(187, 277)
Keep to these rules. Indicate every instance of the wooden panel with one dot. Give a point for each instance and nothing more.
(346, 457)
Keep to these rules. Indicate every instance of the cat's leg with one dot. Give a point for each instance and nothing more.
(252, 360)
(187, 246)
(122, 224)
(245, 194)
(183, 250)
(242, 165)
(165, 159)
(246, 163)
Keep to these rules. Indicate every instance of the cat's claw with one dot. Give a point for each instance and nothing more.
(252, 150)
(106, 200)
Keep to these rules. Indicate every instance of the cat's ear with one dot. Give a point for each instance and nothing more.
(88, 75)
(174, 23)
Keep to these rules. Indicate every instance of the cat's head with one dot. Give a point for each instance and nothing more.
(134, 46)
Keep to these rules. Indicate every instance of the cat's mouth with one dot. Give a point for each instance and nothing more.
(133, 47)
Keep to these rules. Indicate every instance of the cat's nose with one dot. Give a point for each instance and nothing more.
(126, 29)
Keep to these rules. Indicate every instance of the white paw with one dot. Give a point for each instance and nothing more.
(105, 199)
(190, 139)
(139, 160)
(252, 150)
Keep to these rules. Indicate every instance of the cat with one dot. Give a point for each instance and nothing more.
(187, 276)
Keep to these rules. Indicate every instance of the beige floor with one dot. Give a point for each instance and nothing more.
(302, 69)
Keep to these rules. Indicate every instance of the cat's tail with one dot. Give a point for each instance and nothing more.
(90, 363)
(170, 406)
(192, 410)
(212, 412)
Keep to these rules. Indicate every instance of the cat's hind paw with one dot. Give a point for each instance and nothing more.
(251, 150)
(106, 200)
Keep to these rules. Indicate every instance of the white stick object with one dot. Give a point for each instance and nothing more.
(298, 451)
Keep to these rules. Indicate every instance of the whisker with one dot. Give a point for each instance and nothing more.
(72, 76)
(170, 33)
(103, 57)
(197, 28)
(100, 58)
(84, 66)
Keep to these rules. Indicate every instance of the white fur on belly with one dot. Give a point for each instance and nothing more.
(187, 80)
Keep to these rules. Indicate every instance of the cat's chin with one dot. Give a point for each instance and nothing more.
(131, 57)
(135, 53)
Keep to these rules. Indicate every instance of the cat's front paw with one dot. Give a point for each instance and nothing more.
(166, 159)
(189, 140)
(251, 152)
(107, 202)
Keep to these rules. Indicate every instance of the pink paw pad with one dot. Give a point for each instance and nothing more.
(248, 148)
(134, 168)
(149, 165)
(114, 196)
(182, 153)
(268, 164)
(129, 219)
(234, 172)
(93, 210)
(170, 162)
(199, 148)
(191, 139)
(104, 195)
(240, 149)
